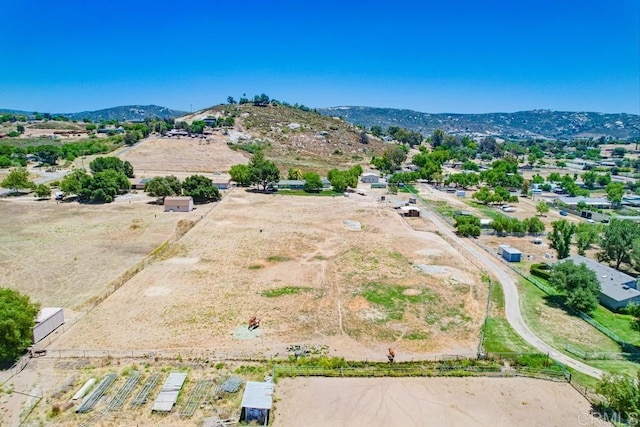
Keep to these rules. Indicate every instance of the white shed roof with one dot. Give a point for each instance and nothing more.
(258, 395)
(47, 312)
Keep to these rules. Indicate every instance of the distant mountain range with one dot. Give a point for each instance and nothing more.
(520, 125)
(122, 113)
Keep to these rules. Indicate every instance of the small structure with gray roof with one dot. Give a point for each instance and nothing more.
(617, 289)
(256, 402)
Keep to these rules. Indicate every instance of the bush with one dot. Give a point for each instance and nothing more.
(541, 270)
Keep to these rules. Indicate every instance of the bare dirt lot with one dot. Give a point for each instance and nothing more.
(292, 261)
(62, 254)
(183, 155)
(429, 401)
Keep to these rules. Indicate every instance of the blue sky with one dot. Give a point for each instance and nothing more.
(445, 56)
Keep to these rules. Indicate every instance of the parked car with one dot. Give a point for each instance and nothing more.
(563, 213)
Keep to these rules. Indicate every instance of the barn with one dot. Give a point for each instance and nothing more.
(256, 402)
(178, 204)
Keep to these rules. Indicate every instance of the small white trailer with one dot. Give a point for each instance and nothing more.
(48, 320)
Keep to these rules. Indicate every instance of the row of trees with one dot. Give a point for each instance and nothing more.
(498, 196)
(343, 179)
(259, 171)
(110, 177)
(199, 187)
(619, 241)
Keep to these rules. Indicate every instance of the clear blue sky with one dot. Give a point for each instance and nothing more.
(431, 56)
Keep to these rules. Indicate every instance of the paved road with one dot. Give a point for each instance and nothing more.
(511, 298)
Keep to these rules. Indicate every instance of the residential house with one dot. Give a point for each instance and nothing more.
(617, 289)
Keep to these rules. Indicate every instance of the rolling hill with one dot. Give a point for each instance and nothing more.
(295, 138)
(122, 113)
(524, 124)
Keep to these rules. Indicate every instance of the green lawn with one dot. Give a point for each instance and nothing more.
(553, 324)
(499, 336)
(620, 324)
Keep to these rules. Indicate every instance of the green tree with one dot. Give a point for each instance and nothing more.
(589, 179)
(262, 172)
(47, 154)
(542, 208)
(73, 183)
(43, 191)
(230, 100)
(534, 225)
(483, 195)
(101, 164)
(18, 179)
(561, 236)
(635, 254)
(617, 241)
(241, 174)
(437, 138)
(295, 173)
(17, 319)
(586, 235)
(312, 182)
(615, 191)
(103, 186)
(578, 283)
(634, 310)
(621, 393)
(200, 188)
(163, 186)
(468, 225)
(20, 129)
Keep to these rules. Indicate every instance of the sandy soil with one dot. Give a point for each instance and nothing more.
(213, 280)
(429, 401)
(183, 155)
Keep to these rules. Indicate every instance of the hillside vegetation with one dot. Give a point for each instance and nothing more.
(295, 138)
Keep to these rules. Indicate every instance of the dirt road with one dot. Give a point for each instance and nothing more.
(512, 299)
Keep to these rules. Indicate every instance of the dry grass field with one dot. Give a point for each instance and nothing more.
(429, 401)
(63, 254)
(292, 262)
(169, 155)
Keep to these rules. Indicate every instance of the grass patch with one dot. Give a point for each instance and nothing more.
(548, 319)
(393, 299)
(398, 257)
(409, 188)
(278, 258)
(417, 336)
(320, 258)
(442, 208)
(286, 290)
(255, 267)
(499, 337)
(620, 324)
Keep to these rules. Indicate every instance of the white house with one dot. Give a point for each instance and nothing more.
(370, 178)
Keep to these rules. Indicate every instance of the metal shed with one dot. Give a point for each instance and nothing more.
(48, 320)
(169, 393)
(256, 402)
(511, 254)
